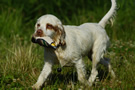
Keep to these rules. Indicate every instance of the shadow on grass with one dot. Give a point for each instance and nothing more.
(68, 75)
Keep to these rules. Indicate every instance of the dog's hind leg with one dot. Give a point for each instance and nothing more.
(94, 71)
(97, 53)
(106, 62)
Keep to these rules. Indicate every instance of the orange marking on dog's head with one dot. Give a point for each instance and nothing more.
(59, 33)
(49, 26)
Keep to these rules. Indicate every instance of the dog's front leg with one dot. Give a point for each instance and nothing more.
(80, 67)
(43, 76)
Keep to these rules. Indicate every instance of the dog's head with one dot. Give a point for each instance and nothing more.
(50, 26)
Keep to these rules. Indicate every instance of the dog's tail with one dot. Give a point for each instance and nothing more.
(109, 17)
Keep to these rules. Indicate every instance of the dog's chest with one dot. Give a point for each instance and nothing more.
(64, 59)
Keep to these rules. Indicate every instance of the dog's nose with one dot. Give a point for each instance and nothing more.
(33, 40)
(39, 32)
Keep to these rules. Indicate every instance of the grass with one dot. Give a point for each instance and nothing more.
(21, 61)
(22, 65)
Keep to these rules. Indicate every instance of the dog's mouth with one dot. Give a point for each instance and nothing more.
(44, 41)
(34, 40)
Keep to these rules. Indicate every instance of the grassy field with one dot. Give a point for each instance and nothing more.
(21, 61)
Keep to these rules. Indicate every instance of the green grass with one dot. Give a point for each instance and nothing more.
(21, 61)
(22, 64)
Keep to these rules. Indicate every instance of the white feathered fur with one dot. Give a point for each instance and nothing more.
(88, 39)
(109, 17)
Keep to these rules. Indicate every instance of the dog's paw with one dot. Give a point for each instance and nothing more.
(88, 84)
(36, 86)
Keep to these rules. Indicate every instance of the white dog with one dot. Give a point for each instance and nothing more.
(73, 43)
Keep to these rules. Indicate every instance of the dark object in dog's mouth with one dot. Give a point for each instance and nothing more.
(44, 41)
(33, 40)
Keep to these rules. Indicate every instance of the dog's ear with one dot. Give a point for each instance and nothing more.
(62, 34)
(59, 37)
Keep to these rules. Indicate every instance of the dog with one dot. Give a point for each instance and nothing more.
(73, 43)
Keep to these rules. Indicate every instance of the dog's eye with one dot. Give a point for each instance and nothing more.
(49, 26)
(38, 25)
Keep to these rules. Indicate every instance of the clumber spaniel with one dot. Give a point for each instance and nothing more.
(73, 43)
